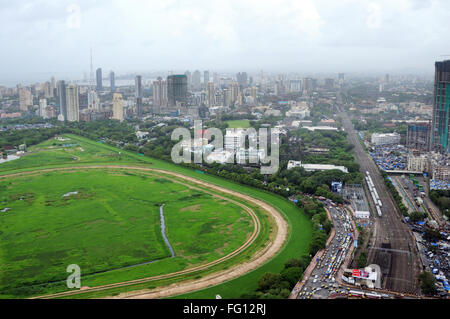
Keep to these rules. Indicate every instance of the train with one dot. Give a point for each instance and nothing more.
(369, 295)
(379, 211)
(374, 194)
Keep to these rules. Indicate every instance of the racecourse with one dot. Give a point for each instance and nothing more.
(289, 228)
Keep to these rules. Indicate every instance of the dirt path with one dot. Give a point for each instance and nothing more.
(235, 271)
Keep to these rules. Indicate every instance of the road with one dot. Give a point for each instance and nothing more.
(321, 284)
(398, 259)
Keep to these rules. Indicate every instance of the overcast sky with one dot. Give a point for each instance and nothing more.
(44, 37)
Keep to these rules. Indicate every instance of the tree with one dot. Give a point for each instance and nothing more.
(302, 262)
(362, 260)
(427, 283)
(292, 275)
(417, 216)
(268, 280)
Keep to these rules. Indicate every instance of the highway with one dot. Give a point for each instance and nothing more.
(391, 246)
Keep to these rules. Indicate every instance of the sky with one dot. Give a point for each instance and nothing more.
(47, 37)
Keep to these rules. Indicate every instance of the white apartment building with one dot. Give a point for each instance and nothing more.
(385, 138)
(118, 107)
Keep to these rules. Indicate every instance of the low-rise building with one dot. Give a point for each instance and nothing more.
(369, 277)
(316, 167)
(385, 138)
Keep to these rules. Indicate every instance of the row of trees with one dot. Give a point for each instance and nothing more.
(279, 285)
(442, 199)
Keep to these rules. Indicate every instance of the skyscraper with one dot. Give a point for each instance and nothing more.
(205, 78)
(73, 106)
(196, 80)
(112, 80)
(62, 100)
(242, 80)
(441, 109)
(42, 106)
(189, 80)
(117, 107)
(210, 94)
(138, 94)
(93, 100)
(99, 79)
(25, 99)
(159, 95)
(177, 89)
(418, 136)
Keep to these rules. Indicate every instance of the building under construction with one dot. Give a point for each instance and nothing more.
(441, 108)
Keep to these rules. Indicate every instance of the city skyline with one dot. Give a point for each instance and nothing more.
(304, 36)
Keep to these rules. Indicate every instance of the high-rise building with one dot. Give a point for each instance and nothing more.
(189, 79)
(242, 80)
(329, 83)
(418, 136)
(52, 86)
(295, 86)
(42, 106)
(177, 89)
(205, 78)
(62, 100)
(196, 80)
(308, 85)
(112, 81)
(48, 92)
(138, 94)
(441, 108)
(216, 79)
(99, 79)
(117, 107)
(341, 78)
(25, 99)
(254, 92)
(93, 100)
(234, 91)
(159, 95)
(211, 94)
(73, 106)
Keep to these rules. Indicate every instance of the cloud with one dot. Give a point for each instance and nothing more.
(52, 37)
(374, 18)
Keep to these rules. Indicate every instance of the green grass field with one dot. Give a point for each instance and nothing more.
(48, 155)
(238, 124)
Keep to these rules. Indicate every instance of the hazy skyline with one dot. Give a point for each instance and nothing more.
(43, 37)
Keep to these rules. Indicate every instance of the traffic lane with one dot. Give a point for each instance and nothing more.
(315, 285)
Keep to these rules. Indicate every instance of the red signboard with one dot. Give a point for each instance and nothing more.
(355, 273)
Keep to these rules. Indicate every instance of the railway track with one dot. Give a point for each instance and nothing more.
(392, 237)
